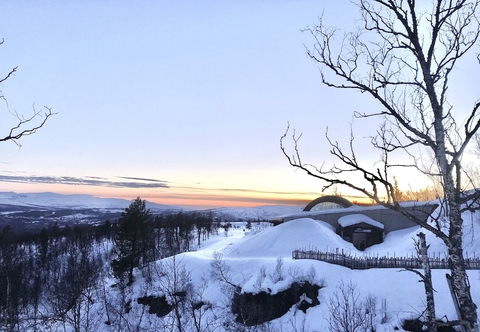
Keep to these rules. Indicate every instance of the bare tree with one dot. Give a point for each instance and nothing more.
(175, 282)
(402, 56)
(24, 126)
(347, 312)
(426, 277)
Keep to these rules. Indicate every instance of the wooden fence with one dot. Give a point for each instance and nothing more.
(370, 262)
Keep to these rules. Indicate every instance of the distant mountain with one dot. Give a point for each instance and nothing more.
(49, 200)
(30, 212)
(76, 201)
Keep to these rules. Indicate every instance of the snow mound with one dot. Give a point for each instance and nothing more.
(281, 240)
(353, 219)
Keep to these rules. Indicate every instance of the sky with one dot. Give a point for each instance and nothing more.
(178, 102)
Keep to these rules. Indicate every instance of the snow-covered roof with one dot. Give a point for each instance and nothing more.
(353, 219)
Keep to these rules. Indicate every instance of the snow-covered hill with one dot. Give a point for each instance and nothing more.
(250, 260)
(248, 254)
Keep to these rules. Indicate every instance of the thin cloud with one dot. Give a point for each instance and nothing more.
(140, 179)
(260, 200)
(247, 191)
(232, 198)
(86, 181)
(269, 192)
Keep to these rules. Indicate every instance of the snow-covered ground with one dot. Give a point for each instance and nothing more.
(252, 257)
(246, 253)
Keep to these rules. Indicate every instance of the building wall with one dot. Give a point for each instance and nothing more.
(392, 220)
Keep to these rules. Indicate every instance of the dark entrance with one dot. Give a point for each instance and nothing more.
(359, 240)
(360, 230)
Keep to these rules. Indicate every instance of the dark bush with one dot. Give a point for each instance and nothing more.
(158, 305)
(416, 325)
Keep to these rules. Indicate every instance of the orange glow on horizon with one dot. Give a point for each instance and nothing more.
(188, 198)
(198, 199)
(227, 201)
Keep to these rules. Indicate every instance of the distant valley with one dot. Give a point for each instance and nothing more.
(30, 212)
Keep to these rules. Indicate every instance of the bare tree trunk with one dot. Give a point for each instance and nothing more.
(427, 280)
(460, 283)
(409, 59)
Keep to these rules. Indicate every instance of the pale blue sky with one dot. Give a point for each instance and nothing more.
(192, 94)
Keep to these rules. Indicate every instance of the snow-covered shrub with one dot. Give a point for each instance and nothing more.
(278, 274)
(260, 278)
(347, 312)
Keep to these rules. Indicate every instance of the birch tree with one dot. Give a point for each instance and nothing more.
(402, 55)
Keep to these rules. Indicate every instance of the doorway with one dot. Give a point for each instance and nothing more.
(359, 240)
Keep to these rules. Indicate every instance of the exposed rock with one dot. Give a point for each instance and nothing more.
(158, 305)
(254, 309)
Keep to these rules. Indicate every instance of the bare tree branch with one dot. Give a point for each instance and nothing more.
(24, 126)
(21, 129)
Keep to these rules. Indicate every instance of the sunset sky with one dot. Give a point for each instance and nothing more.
(178, 102)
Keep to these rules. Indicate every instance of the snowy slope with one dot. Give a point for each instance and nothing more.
(251, 258)
(280, 241)
(247, 253)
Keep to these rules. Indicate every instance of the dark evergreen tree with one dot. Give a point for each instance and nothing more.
(133, 238)
(43, 246)
(10, 279)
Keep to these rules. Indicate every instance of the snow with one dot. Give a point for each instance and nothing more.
(353, 219)
(246, 253)
(281, 240)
